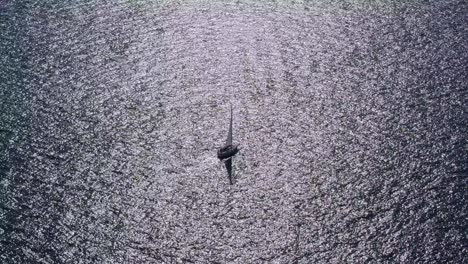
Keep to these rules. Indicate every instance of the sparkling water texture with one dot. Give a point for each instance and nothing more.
(351, 115)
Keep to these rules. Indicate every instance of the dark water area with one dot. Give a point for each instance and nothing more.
(351, 116)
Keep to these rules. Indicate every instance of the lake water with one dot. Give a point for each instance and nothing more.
(351, 117)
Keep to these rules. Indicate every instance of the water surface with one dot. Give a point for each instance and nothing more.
(351, 116)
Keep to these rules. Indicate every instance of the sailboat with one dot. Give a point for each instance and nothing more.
(227, 152)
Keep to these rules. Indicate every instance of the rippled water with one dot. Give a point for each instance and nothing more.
(351, 116)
